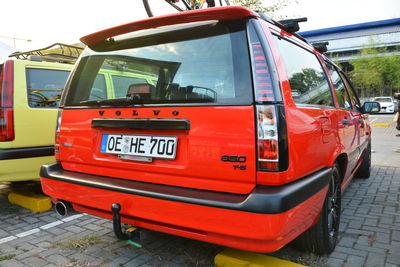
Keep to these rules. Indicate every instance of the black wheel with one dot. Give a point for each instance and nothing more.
(321, 238)
(364, 170)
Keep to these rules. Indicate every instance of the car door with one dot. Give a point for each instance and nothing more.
(356, 112)
(347, 119)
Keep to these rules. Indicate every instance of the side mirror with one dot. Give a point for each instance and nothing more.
(371, 107)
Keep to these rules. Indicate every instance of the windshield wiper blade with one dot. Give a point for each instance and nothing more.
(121, 101)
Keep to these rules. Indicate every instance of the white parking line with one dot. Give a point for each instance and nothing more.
(373, 120)
(43, 227)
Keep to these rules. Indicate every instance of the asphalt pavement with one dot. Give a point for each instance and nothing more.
(384, 140)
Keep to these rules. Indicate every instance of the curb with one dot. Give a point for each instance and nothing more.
(31, 201)
(240, 258)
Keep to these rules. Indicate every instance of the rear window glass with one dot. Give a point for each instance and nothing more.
(45, 87)
(207, 66)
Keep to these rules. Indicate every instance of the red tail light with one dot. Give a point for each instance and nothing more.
(268, 145)
(57, 136)
(6, 102)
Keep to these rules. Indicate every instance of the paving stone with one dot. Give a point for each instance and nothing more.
(34, 262)
(375, 260)
(138, 260)
(333, 262)
(355, 261)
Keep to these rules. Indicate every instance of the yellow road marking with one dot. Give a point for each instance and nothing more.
(381, 124)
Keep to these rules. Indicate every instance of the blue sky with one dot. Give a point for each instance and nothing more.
(48, 21)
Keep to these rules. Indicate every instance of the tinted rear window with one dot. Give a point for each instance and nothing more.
(45, 87)
(207, 66)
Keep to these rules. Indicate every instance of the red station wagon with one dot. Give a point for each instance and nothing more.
(247, 137)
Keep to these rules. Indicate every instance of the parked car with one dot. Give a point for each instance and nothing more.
(247, 138)
(30, 89)
(387, 103)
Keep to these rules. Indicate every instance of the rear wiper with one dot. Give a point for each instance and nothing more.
(132, 100)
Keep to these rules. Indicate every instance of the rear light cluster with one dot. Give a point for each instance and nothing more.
(6, 102)
(268, 145)
(57, 136)
(267, 125)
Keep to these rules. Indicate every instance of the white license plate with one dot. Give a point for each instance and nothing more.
(163, 147)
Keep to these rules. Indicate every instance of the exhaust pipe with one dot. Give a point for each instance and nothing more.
(64, 208)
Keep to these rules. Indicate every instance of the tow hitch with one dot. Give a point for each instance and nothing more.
(132, 233)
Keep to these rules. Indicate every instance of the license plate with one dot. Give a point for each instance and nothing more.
(163, 147)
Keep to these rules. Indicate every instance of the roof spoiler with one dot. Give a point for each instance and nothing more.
(215, 13)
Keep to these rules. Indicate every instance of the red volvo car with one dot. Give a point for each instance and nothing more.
(246, 138)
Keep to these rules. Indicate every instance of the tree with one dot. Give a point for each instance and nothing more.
(376, 71)
(259, 5)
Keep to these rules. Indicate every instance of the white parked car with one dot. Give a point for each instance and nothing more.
(387, 104)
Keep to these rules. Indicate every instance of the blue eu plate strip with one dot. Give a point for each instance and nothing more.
(104, 139)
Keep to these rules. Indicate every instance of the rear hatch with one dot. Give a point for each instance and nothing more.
(172, 105)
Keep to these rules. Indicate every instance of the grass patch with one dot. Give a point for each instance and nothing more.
(312, 260)
(7, 257)
(82, 243)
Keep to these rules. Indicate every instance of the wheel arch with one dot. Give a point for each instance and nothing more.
(342, 161)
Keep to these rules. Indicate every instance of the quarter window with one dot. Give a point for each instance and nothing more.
(306, 77)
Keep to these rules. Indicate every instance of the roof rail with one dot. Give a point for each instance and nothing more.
(292, 25)
(263, 16)
(321, 46)
(57, 52)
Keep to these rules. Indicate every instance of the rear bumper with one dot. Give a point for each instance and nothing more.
(264, 220)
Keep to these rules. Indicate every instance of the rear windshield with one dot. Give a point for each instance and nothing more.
(202, 65)
(45, 87)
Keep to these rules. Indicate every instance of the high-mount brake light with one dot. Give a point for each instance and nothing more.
(57, 136)
(6, 102)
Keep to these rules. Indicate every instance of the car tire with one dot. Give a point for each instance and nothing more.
(364, 171)
(321, 238)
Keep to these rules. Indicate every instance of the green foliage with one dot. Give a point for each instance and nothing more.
(376, 72)
(303, 81)
(7, 257)
(270, 9)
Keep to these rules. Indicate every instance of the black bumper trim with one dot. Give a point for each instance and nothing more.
(140, 124)
(263, 199)
(26, 152)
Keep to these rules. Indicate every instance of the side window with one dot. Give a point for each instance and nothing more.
(45, 87)
(340, 89)
(306, 77)
(354, 98)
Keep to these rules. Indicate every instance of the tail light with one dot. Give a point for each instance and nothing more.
(271, 125)
(6, 102)
(268, 145)
(57, 136)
